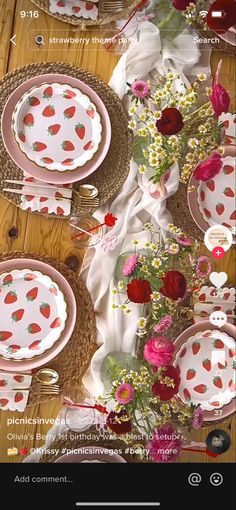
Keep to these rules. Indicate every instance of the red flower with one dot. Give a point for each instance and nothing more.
(162, 390)
(174, 285)
(208, 168)
(223, 23)
(110, 220)
(139, 291)
(113, 420)
(171, 122)
(181, 5)
(220, 99)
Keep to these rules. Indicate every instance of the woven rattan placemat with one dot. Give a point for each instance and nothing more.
(111, 174)
(74, 359)
(177, 204)
(103, 18)
(75, 440)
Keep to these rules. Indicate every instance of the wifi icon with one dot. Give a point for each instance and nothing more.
(203, 14)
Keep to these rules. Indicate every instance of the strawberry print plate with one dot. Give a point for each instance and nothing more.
(78, 8)
(213, 202)
(33, 314)
(216, 197)
(57, 127)
(207, 365)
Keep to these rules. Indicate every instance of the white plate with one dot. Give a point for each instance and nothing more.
(57, 127)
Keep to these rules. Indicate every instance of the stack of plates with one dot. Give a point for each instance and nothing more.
(56, 128)
(206, 360)
(213, 202)
(38, 314)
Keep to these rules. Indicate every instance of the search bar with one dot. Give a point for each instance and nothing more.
(45, 40)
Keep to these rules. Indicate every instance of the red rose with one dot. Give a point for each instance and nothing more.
(113, 419)
(208, 168)
(181, 5)
(174, 285)
(223, 23)
(139, 291)
(171, 122)
(110, 220)
(220, 100)
(162, 390)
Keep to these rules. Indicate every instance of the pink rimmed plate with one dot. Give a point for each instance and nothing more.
(19, 365)
(205, 357)
(91, 454)
(33, 313)
(213, 202)
(30, 167)
(57, 127)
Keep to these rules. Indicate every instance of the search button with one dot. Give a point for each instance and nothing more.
(194, 479)
(39, 39)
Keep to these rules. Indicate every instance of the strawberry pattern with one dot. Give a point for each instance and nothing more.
(206, 362)
(216, 197)
(37, 203)
(56, 120)
(80, 8)
(14, 400)
(224, 301)
(33, 314)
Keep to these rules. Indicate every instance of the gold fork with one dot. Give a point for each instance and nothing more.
(45, 389)
(111, 5)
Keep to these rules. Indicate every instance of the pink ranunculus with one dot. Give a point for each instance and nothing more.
(208, 168)
(220, 100)
(166, 444)
(158, 351)
(181, 5)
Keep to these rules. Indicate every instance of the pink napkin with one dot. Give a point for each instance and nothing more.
(56, 204)
(14, 391)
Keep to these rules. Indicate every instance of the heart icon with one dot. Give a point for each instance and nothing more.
(218, 279)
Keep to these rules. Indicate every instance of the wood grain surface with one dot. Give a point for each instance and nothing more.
(49, 236)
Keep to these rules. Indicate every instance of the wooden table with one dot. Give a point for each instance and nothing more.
(49, 236)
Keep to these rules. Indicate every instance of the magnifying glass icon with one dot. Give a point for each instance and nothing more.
(39, 39)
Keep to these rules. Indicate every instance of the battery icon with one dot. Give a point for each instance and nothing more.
(217, 14)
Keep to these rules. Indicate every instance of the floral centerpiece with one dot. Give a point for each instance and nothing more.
(176, 124)
(143, 400)
(152, 277)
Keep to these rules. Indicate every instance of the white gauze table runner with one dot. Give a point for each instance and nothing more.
(133, 206)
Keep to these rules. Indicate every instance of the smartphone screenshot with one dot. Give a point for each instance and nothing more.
(117, 253)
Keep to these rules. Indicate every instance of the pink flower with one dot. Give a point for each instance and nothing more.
(220, 100)
(208, 168)
(204, 267)
(130, 265)
(159, 351)
(197, 418)
(164, 324)
(140, 89)
(184, 241)
(165, 445)
(124, 393)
